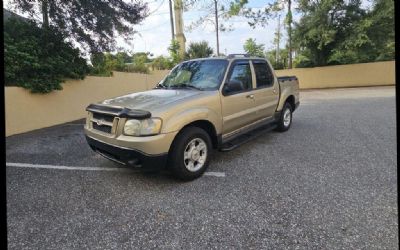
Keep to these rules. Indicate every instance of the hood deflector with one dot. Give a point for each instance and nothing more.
(119, 112)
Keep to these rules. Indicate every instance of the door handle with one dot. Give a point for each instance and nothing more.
(251, 96)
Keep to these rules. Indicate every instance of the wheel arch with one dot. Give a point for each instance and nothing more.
(290, 99)
(207, 126)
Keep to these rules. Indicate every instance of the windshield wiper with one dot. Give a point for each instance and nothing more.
(161, 86)
(184, 85)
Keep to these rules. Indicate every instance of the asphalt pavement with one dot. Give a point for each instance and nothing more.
(330, 182)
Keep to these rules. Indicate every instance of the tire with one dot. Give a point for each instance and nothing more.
(190, 153)
(285, 119)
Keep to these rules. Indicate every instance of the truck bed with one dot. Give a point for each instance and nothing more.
(287, 78)
(289, 85)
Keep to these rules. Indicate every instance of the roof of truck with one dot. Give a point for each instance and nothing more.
(229, 57)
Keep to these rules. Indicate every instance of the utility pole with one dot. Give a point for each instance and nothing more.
(171, 19)
(180, 37)
(278, 40)
(290, 32)
(216, 24)
(45, 11)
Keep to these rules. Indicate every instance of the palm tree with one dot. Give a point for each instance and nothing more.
(199, 50)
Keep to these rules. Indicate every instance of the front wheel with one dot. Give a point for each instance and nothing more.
(285, 119)
(190, 153)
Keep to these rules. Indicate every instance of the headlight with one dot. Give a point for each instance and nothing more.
(150, 126)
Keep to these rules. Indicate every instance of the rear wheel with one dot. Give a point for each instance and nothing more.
(190, 153)
(285, 119)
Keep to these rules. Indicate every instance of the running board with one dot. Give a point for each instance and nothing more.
(246, 137)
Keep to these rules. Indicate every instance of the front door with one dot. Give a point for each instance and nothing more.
(238, 105)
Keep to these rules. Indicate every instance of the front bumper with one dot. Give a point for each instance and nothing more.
(127, 156)
(149, 145)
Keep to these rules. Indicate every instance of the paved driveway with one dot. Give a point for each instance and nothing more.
(330, 182)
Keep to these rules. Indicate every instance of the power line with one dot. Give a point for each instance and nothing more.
(161, 13)
(159, 6)
(163, 24)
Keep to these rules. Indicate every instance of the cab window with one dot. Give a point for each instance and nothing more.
(264, 75)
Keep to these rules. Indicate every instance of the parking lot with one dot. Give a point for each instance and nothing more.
(330, 182)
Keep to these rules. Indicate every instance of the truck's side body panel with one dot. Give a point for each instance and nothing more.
(202, 107)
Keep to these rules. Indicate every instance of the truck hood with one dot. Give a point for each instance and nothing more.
(152, 99)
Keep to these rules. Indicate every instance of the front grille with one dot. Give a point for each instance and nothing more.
(103, 122)
(102, 128)
(104, 117)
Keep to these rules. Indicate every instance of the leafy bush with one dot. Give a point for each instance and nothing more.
(99, 67)
(105, 63)
(161, 63)
(39, 59)
(302, 61)
(174, 52)
(282, 61)
(137, 68)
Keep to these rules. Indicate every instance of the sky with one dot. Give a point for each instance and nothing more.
(156, 30)
(154, 33)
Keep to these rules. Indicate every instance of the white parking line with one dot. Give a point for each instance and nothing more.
(27, 165)
(216, 174)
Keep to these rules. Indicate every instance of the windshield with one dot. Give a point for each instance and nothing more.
(200, 74)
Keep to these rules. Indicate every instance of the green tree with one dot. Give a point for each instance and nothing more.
(98, 68)
(139, 65)
(199, 50)
(252, 48)
(260, 17)
(323, 27)
(105, 63)
(161, 63)
(124, 57)
(141, 56)
(255, 16)
(93, 24)
(382, 31)
(283, 61)
(97, 59)
(372, 38)
(39, 59)
(174, 52)
(330, 31)
(208, 16)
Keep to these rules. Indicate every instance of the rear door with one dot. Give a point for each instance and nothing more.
(238, 108)
(266, 89)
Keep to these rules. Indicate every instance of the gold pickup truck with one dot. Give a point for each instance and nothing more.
(201, 106)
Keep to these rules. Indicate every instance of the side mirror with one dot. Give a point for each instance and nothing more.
(233, 86)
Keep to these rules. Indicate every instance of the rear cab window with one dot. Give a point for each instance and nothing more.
(264, 76)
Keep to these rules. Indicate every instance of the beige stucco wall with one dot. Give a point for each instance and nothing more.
(26, 111)
(353, 75)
